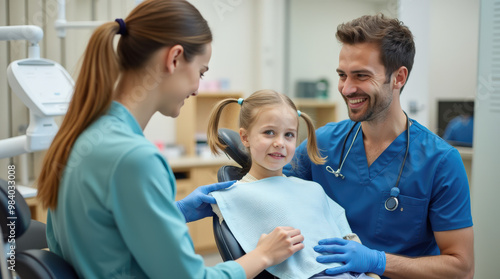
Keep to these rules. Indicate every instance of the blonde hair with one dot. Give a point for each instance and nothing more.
(153, 24)
(248, 113)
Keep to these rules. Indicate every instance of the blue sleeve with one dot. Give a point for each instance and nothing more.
(450, 203)
(300, 166)
(142, 198)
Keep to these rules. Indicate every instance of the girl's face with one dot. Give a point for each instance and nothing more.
(184, 82)
(271, 140)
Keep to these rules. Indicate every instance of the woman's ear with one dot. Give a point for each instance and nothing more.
(172, 58)
(244, 137)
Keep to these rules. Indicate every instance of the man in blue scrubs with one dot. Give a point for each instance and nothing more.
(413, 224)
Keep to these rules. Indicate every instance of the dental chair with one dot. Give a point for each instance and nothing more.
(30, 260)
(228, 246)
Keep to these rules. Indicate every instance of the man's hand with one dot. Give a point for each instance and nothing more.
(355, 256)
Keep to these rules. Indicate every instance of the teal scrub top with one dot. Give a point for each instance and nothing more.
(116, 216)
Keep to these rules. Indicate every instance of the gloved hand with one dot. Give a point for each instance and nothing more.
(355, 256)
(197, 204)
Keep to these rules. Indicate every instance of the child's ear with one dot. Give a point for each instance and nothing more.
(244, 137)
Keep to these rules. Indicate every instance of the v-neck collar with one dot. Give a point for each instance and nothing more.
(119, 111)
(395, 150)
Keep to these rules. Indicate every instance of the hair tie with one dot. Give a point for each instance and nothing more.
(123, 28)
(240, 101)
(299, 113)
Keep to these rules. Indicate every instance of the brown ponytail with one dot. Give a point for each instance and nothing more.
(91, 98)
(151, 25)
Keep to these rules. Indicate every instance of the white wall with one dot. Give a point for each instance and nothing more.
(453, 53)
(415, 95)
(235, 54)
(234, 45)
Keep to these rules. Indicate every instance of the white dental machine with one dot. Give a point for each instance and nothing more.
(43, 85)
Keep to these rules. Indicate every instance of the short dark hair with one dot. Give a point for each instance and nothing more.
(397, 47)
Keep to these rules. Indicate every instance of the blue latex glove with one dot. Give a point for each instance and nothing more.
(197, 204)
(355, 256)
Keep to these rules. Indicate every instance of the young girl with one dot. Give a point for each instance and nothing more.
(110, 192)
(264, 197)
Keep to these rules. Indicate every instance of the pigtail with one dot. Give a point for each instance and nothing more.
(92, 97)
(216, 146)
(312, 146)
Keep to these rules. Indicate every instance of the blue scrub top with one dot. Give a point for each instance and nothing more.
(434, 187)
(115, 215)
(460, 130)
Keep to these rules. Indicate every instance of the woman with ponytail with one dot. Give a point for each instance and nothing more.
(264, 198)
(109, 191)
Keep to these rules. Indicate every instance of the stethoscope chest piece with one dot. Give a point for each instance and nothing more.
(391, 203)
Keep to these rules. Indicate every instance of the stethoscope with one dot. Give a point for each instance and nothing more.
(392, 202)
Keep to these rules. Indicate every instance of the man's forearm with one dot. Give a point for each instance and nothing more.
(442, 266)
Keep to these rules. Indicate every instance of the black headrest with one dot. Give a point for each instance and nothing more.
(14, 211)
(235, 148)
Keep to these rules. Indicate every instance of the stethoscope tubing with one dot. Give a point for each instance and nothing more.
(392, 202)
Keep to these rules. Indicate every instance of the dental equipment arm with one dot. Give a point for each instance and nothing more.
(31, 33)
(44, 86)
(61, 24)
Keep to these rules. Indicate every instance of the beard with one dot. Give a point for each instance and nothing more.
(374, 108)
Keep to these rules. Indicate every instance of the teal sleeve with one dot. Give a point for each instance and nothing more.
(142, 200)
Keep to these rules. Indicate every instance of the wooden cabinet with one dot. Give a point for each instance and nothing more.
(321, 112)
(37, 211)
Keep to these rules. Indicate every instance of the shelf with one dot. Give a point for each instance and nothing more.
(313, 103)
(196, 161)
(322, 112)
